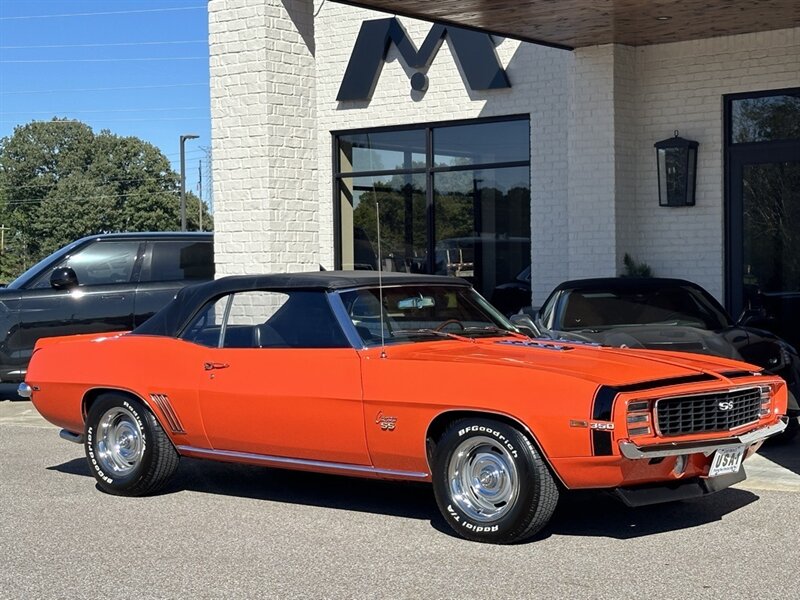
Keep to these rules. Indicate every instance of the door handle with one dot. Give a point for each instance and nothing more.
(112, 297)
(210, 366)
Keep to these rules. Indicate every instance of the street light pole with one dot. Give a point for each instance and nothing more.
(184, 137)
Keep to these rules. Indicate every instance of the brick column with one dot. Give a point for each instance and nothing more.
(263, 135)
(601, 145)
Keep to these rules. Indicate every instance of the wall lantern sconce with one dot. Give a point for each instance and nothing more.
(677, 171)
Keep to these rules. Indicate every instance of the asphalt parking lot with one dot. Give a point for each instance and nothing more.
(227, 531)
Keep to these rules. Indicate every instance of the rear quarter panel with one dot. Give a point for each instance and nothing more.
(66, 370)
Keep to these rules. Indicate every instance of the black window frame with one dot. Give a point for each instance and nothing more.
(429, 171)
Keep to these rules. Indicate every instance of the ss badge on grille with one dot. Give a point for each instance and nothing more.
(725, 405)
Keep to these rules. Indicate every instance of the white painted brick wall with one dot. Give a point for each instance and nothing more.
(264, 135)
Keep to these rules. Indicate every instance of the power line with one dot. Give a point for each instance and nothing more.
(73, 121)
(98, 197)
(94, 60)
(104, 181)
(104, 89)
(49, 112)
(93, 14)
(105, 45)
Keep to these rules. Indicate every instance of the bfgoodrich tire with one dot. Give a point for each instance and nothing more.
(128, 452)
(491, 483)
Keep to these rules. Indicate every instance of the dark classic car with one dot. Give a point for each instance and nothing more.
(664, 314)
(406, 377)
(98, 284)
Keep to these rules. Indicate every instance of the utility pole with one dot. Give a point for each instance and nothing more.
(200, 190)
(3, 230)
(184, 137)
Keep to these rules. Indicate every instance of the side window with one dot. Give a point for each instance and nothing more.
(100, 263)
(206, 327)
(268, 319)
(177, 260)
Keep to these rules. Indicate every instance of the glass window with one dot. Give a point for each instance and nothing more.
(268, 319)
(483, 225)
(382, 151)
(481, 143)
(767, 118)
(421, 313)
(473, 222)
(174, 261)
(404, 240)
(100, 263)
(206, 327)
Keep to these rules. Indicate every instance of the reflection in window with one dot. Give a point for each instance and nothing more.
(101, 263)
(474, 222)
(403, 222)
(766, 118)
(482, 143)
(771, 202)
(173, 261)
(483, 225)
(267, 319)
(382, 151)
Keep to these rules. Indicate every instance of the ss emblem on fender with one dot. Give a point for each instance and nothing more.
(386, 423)
(725, 405)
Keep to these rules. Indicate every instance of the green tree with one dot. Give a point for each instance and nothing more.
(60, 181)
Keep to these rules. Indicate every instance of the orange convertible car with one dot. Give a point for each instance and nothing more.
(418, 379)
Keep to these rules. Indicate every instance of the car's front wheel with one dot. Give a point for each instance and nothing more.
(128, 452)
(491, 483)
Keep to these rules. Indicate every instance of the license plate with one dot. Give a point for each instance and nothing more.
(726, 461)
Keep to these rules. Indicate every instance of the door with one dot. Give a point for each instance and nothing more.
(279, 378)
(764, 209)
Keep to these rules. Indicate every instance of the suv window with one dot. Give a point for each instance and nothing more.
(99, 263)
(179, 260)
(265, 319)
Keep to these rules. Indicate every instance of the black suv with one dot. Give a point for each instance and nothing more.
(101, 283)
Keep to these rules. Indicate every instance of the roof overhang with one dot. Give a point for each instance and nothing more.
(576, 23)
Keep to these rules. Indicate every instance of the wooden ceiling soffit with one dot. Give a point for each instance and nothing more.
(577, 23)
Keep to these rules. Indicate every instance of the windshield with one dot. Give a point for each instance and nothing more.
(595, 310)
(416, 313)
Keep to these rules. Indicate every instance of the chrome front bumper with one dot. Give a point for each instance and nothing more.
(631, 450)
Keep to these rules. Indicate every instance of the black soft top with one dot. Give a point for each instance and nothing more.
(171, 319)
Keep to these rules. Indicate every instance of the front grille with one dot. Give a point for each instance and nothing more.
(704, 413)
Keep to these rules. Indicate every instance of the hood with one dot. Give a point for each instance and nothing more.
(602, 365)
(673, 338)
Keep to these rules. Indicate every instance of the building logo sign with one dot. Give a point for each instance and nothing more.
(474, 51)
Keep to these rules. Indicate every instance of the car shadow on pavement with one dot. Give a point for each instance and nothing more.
(585, 513)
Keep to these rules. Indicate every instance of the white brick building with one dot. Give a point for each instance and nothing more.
(593, 112)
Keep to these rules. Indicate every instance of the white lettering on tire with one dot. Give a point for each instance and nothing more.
(488, 430)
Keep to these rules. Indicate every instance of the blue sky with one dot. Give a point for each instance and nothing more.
(142, 71)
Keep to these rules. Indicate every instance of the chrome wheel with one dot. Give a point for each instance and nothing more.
(483, 479)
(120, 443)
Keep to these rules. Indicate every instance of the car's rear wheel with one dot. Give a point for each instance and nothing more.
(128, 452)
(491, 483)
